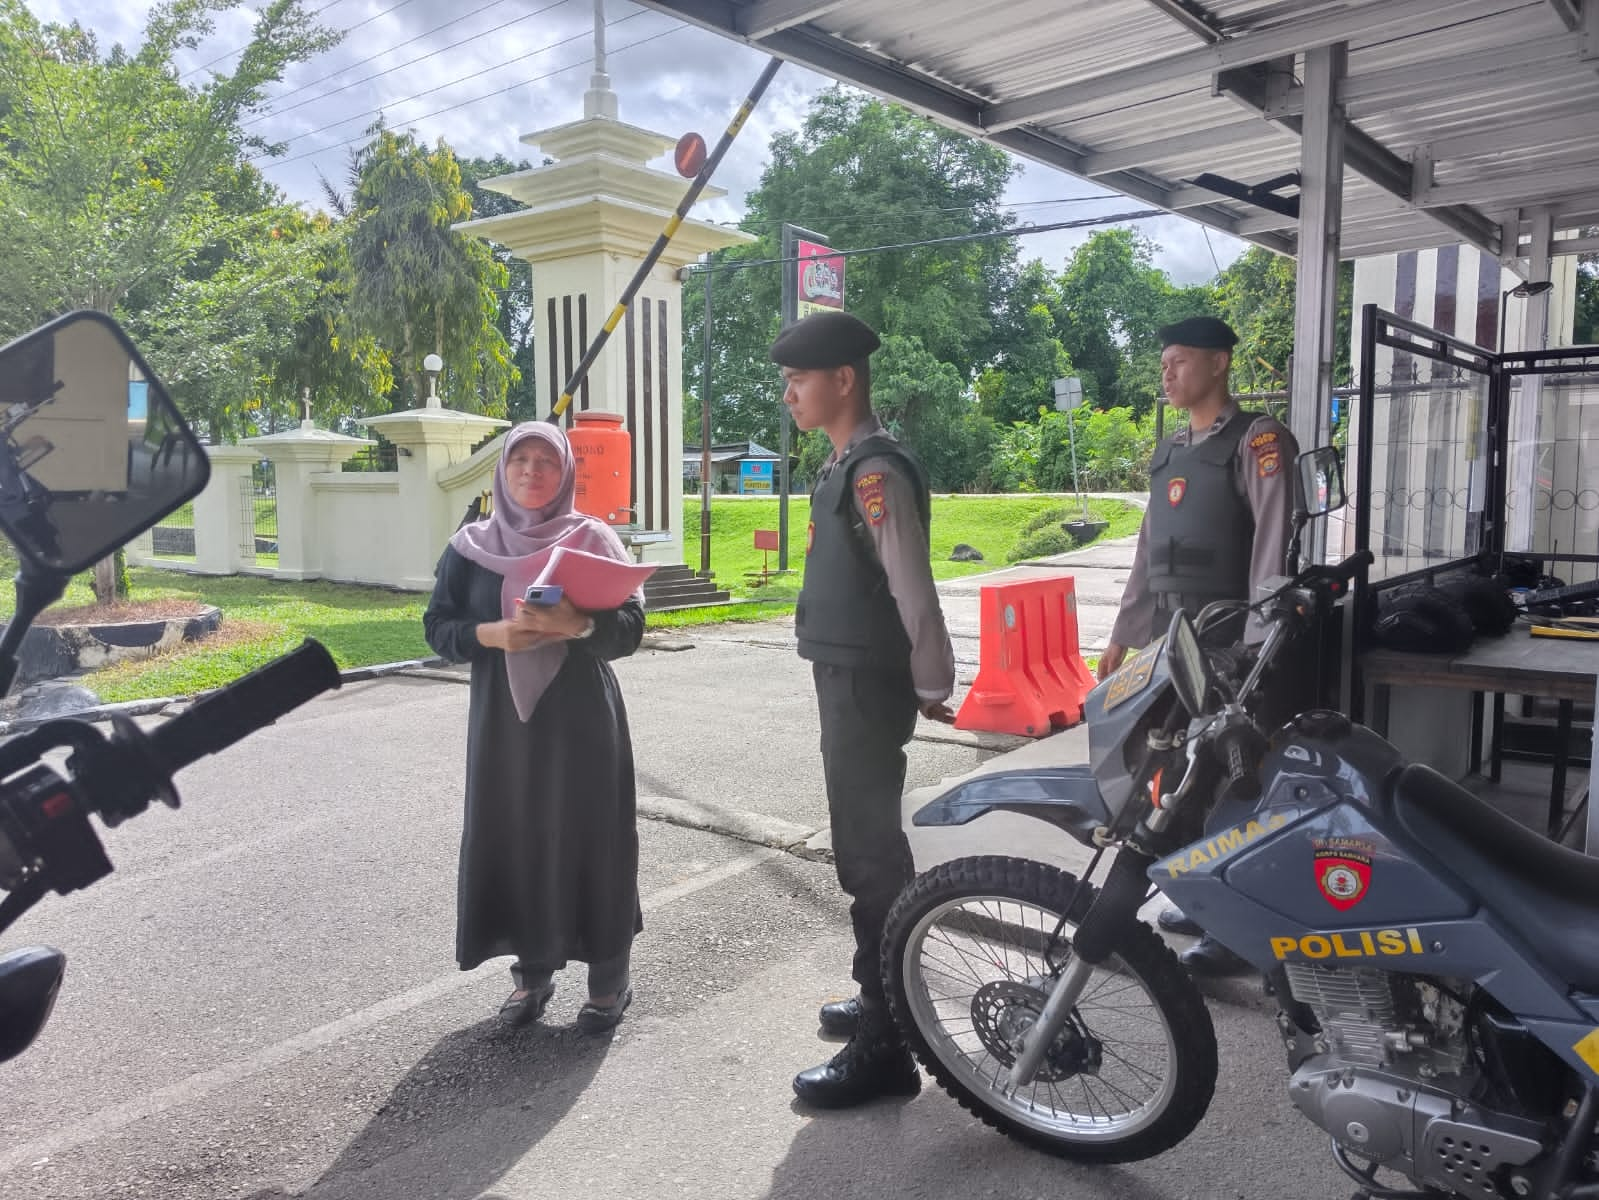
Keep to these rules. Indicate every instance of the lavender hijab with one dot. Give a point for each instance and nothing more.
(516, 543)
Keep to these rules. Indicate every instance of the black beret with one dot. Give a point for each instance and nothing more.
(1203, 333)
(823, 340)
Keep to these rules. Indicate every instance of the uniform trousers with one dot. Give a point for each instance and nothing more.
(868, 714)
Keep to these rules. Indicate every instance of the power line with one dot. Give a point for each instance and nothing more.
(577, 37)
(246, 46)
(275, 112)
(866, 223)
(1142, 214)
(464, 103)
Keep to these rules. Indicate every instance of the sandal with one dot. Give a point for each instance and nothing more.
(529, 1006)
(600, 1018)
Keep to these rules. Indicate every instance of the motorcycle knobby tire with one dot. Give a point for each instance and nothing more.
(1141, 950)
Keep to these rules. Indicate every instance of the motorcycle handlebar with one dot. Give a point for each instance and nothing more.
(1236, 766)
(239, 709)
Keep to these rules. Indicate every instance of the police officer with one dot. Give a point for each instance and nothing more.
(1217, 525)
(869, 621)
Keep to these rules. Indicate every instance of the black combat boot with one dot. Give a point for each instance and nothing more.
(841, 1017)
(874, 1063)
(1207, 956)
(1174, 920)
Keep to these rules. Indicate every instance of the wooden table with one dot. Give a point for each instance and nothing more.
(1565, 670)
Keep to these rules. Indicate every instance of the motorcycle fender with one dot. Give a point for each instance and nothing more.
(1065, 797)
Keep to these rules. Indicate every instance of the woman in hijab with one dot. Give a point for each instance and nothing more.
(549, 852)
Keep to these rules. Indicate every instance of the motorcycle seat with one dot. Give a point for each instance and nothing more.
(1547, 893)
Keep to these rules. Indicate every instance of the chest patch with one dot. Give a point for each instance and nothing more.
(1176, 490)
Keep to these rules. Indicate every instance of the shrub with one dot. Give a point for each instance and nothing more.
(1041, 543)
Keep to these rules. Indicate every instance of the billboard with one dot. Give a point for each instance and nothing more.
(755, 477)
(820, 279)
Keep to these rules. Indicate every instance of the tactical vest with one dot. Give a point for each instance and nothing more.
(1201, 529)
(846, 614)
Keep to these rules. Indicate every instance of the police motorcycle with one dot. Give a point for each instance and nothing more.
(1436, 965)
(94, 453)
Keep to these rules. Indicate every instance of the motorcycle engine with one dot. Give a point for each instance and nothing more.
(1389, 1075)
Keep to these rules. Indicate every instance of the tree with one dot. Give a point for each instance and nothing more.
(1585, 323)
(925, 402)
(323, 355)
(116, 166)
(1256, 296)
(1110, 300)
(862, 173)
(515, 317)
(1030, 359)
(420, 287)
(123, 178)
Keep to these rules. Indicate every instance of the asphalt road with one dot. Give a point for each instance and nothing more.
(262, 1002)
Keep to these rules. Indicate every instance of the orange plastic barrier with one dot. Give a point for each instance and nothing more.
(1031, 677)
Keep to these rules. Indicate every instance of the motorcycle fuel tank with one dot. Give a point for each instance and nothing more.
(1315, 873)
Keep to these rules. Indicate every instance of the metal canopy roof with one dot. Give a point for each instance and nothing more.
(1464, 115)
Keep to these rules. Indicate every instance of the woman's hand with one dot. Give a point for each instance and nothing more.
(563, 619)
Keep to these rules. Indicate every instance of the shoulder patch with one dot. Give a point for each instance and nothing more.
(1268, 452)
(869, 489)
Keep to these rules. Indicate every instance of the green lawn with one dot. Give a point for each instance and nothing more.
(992, 524)
(362, 626)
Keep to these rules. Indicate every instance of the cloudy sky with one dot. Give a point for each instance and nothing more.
(480, 73)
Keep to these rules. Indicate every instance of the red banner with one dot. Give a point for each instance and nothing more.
(821, 279)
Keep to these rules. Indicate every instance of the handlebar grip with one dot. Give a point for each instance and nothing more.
(1351, 565)
(1236, 767)
(245, 705)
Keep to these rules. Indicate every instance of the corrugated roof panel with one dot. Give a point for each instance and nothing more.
(1086, 79)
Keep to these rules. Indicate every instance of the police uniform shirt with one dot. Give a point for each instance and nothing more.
(885, 501)
(1263, 473)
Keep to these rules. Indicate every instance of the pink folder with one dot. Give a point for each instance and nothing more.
(592, 581)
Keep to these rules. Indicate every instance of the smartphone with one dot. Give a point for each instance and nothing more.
(546, 594)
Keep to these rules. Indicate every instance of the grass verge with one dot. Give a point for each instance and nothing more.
(361, 626)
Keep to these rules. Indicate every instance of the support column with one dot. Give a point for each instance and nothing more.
(429, 441)
(219, 521)
(1524, 415)
(296, 457)
(1321, 188)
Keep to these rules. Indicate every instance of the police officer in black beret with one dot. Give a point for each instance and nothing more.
(869, 621)
(1216, 528)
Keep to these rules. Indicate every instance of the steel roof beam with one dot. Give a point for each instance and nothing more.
(1568, 12)
(1373, 161)
(1191, 17)
(1577, 123)
(949, 105)
(1129, 157)
(765, 17)
(1508, 187)
(1385, 18)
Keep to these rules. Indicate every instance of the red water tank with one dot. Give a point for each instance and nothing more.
(603, 451)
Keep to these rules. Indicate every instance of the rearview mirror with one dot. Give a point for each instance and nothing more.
(1321, 481)
(29, 981)
(94, 451)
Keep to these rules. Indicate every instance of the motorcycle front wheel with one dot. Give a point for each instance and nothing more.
(1129, 1076)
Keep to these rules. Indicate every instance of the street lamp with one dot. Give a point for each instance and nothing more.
(431, 366)
(1523, 290)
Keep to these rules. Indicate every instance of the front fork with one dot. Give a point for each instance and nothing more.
(1113, 910)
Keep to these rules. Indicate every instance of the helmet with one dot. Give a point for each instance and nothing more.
(1422, 619)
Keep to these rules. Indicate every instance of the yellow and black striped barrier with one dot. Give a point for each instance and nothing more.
(689, 197)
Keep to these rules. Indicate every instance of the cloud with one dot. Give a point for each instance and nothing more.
(480, 74)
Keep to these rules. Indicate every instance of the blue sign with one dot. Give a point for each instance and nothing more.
(755, 476)
(1335, 410)
(138, 399)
